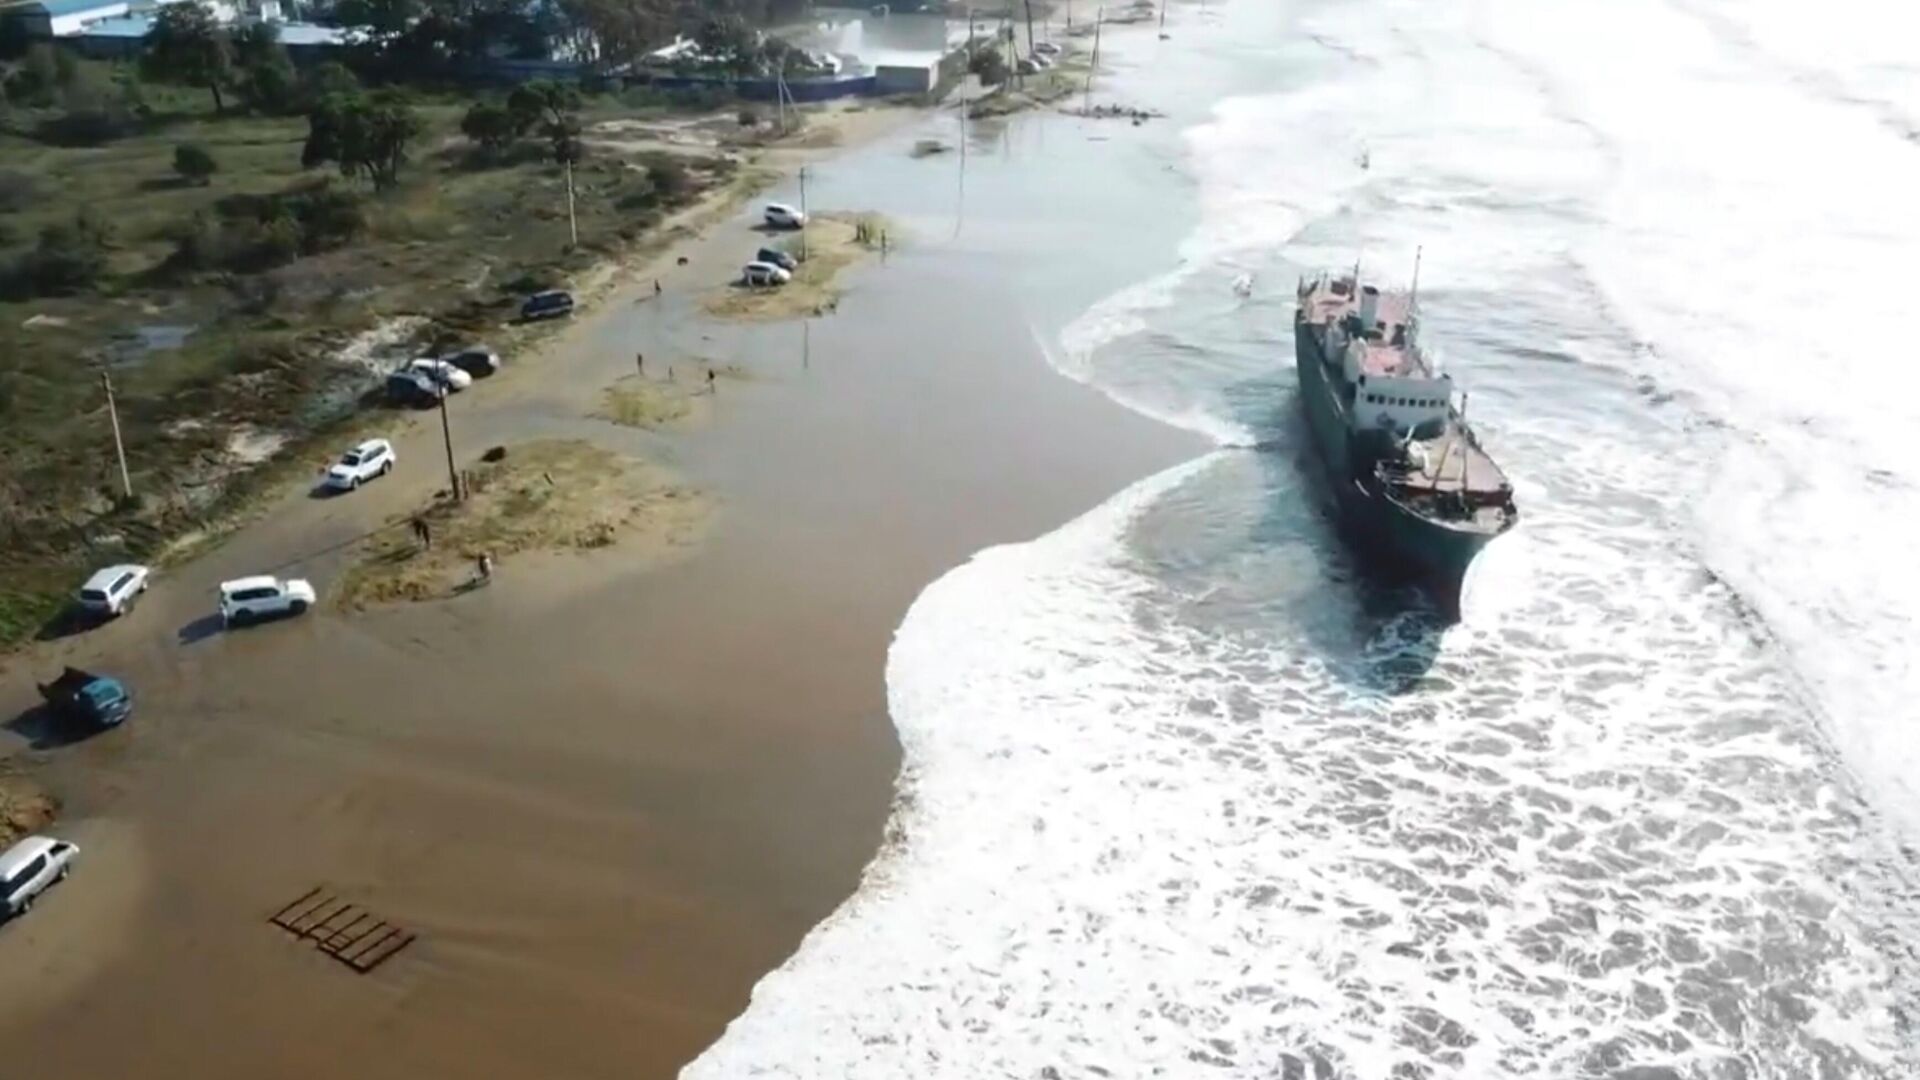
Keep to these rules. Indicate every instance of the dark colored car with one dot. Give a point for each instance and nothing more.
(778, 258)
(412, 388)
(475, 360)
(552, 304)
(85, 698)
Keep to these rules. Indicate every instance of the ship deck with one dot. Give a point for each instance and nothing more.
(1324, 304)
(1456, 464)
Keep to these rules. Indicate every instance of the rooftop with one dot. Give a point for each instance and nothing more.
(58, 8)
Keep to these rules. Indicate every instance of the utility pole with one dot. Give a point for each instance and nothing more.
(573, 223)
(1029, 27)
(1099, 20)
(1163, 18)
(119, 448)
(446, 433)
(803, 213)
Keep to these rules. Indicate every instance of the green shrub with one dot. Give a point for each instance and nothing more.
(69, 258)
(194, 163)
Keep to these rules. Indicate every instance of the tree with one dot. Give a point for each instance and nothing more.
(194, 163)
(542, 103)
(492, 126)
(187, 46)
(267, 78)
(34, 81)
(324, 80)
(364, 134)
(69, 257)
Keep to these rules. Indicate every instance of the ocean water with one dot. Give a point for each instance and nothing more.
(1185, 795)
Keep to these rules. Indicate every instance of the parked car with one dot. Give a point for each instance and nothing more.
(1026, 66)
(1040, 59)
(409, 387)
(782, 216)
(778, 258)
(372, 458)
(552, 304)
(1048, 49)
(110, 592)
(83, 698)
(251, 599)
(477, 361)
(30, 868)
(763, 273)
(441, 372)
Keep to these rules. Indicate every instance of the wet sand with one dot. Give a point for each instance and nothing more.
(607, 795)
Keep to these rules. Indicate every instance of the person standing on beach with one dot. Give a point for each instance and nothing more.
(711, 387)
(422, 533)
(640, 364)
(656, 286)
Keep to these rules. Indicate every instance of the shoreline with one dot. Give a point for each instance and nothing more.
(609, 800)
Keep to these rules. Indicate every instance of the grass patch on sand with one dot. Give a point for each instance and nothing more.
(551, 495)
(833, 242)
(650, 403)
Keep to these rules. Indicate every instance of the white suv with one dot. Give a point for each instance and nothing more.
(111, 591)
(362, 463)
(29, 868)
(782, 216)
(248, 599)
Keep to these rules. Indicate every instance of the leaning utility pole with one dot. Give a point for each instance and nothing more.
(119, 448)
(1029, 27)
(446, 433)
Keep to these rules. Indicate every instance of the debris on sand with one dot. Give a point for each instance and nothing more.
(929, 147)
(1116, 112)
(551, 495)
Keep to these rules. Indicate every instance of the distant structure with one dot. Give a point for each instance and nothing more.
(112, 29)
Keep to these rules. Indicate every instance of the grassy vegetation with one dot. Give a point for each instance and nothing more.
(244, 321)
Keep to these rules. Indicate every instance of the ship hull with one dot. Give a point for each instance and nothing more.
(1395, 540)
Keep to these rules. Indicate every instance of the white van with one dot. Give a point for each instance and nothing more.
(29, 868)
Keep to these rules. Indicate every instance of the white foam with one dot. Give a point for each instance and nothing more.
(1757, 232)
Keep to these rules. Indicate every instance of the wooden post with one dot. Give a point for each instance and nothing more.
(119, 447)
(573, 223)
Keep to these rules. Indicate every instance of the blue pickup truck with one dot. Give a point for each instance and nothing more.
(82, 697)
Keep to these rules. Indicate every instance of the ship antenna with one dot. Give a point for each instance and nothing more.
(1413, 299)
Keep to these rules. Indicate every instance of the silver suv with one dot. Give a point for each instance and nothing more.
(30, 868)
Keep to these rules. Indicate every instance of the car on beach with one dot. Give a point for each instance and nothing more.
(370, 459)
(782, 216)
(442, 372)
(407, 387)
(477, 361)
(82, 699)
(759, 274)
(250, 599)
(30, 868)
(778, 258)
(552, 304)
(109, 593)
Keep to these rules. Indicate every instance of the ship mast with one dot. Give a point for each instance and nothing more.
(1413, 297)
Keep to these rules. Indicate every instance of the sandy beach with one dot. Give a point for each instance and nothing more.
(610, 790)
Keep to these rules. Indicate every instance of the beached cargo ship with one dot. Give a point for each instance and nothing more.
(1416, 491)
